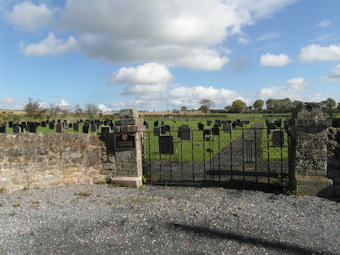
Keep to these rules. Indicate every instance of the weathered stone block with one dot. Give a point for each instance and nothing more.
(128, 113)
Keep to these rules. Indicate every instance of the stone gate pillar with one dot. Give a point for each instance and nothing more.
(308, 150)
(128, 140)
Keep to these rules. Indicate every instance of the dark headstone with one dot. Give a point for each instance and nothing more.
(277, 137)
(155, 124)
(200, 126)
(85, 129)
(207, 134)
(215, 130)
(43, 124)
(167, 128)
(60, 128)
(147, 126)
(16, 129)
(76, 127)
(163, 130)
(32, 128)
(209, 122)
(93, 127)
(10, 124)
(70, 125)
(105, 130)
(185, 132)
(162, 122)
(51, 125)
(3, 129)
(157, 131)
(166, 145)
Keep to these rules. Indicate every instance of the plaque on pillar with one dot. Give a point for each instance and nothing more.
(124, 141)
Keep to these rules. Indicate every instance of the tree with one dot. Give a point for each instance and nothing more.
(258, 104)
(338, 107)
(33, 108)
(91, 110)
(205, 105)
(78, 110)
(3, 118)
(329, 104)
(54, 109)
(238, 106)
(279, 105)
(184, 108)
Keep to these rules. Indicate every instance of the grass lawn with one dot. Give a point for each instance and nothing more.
(274, 152)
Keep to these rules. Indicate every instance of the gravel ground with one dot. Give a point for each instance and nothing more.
(100, 219)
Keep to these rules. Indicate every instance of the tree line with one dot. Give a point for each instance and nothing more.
(272, 106)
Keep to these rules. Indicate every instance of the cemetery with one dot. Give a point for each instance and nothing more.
(209, 150)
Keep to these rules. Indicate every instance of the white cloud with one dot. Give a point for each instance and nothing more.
(51, 46)
(334, 75)
(30, 17)
(294, 89)
(243, 41)
(104, 108)
(149, 73)
(274, 60)
(268, 36)
(174, 33)
(318, 53)
(191, 96)
(324, 23)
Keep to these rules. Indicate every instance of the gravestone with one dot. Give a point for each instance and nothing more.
(167, 128)
(16, 129)
(51, 125)
(215, 130)
(3, 129)
(155, 124)
(200, 126)
(207, 134)
(209, 122)
(76, 127)
(60, 128)
(227, 127)
(240, 123)
(59, 121)
(70, 125)
(32, 128)
(185, 133)
(93, 127)
(163, 130)
(162, 122)
(166, 145)
(85, 129)
(105, 130)
(157, 131)
(277, 137)
(43, 124)
(10, 124)
(147, 126)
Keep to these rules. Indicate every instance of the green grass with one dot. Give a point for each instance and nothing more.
(194, 150)
(274, 152)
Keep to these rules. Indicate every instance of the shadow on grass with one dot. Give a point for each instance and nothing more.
(274, 245)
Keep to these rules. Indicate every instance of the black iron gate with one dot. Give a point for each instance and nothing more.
(256, 156)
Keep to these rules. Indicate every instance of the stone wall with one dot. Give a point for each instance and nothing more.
(333, 162)
(42, 160)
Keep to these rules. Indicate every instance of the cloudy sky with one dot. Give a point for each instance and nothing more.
(151, 54)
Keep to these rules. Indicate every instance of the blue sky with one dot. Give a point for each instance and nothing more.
(150, 54)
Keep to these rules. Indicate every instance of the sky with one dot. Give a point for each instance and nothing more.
(158, 55)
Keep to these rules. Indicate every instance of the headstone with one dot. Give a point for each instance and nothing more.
(166, 145)
(16, 129)
(147, 126)
(105, 129)
(227, 128)
(3, 129)
(157, 131)
(10, 124)
(60, 128)
(207, 134)
(70, 125)
(200, 126)
(43, 124)
(215, 130)
(209, 122)
(51, 125)
(59, 121)
(93, 127)
(185, 132)
(76, 127)
(32, 128)
(162, 122)
(277, 137)
(85, 129)
(167, 128)
(155, 124)
(163, 130)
